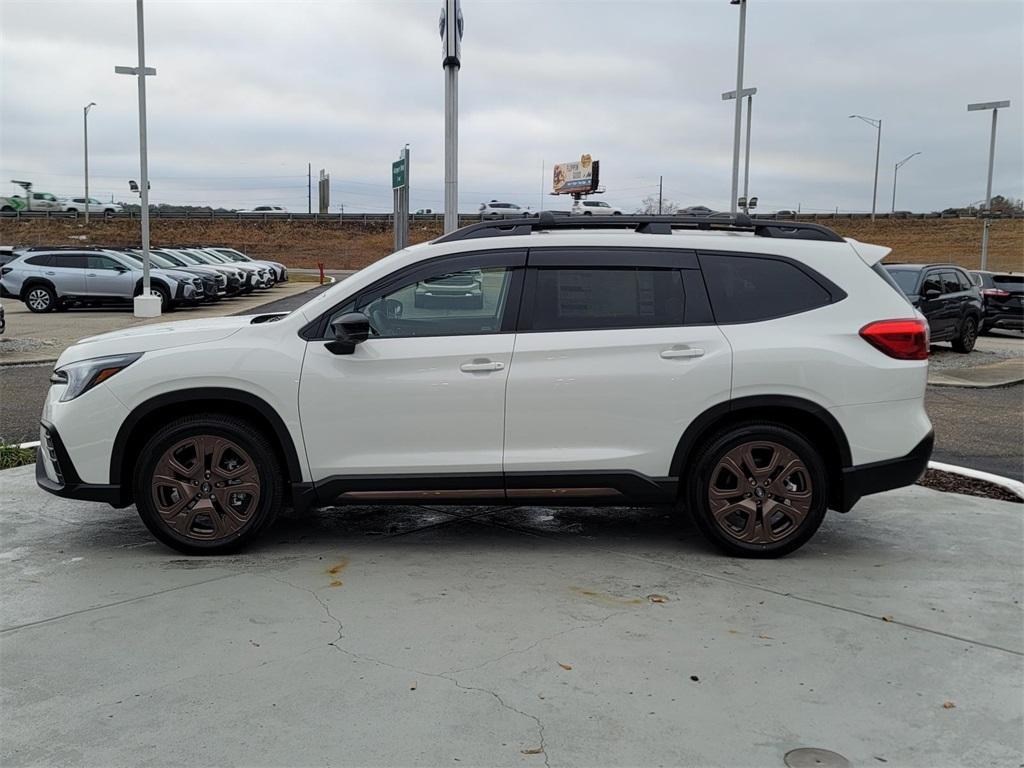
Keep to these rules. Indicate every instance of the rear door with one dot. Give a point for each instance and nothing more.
(68, 273)
(615, 355)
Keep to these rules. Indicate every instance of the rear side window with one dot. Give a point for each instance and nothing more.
(70, 260)
(745, 289)
(43, 260)
(591, 299)
(906, 279)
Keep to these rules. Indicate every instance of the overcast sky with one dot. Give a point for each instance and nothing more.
(248, 92)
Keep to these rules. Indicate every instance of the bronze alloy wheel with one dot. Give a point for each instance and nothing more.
(760, 492)
(205, 487)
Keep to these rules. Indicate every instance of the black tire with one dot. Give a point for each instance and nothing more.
(968, 337)
(40, 298)
(783, 534)
(201, 535)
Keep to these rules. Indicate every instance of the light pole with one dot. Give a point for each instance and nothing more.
(878, 149)
(85, 132)
(749, 93)
(451, 35)
(739, 106)
(145, 304)
(995, 106)
(896, 170)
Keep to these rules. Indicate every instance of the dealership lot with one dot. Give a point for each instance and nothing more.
(445, 636)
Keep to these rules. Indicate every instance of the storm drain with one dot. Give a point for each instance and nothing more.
(813, 757)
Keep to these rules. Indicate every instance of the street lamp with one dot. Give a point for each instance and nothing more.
(995, 106)
(739, 106)
(146, 305)
(896, 170)
(85, 129)
(451, 26)
(749, 93)
(878, 148)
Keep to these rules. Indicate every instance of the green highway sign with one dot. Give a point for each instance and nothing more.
(398, 174)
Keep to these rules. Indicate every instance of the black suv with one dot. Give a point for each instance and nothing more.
(1003, 297)
(947, 296)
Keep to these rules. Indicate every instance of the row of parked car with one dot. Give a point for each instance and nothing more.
(48, 278)
(960, 304)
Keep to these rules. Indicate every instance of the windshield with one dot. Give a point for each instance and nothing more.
(233, 255)
(906, 279)
(154, 257)
(215, 258)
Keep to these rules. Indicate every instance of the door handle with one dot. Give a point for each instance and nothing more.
(671, 354)
(51, 273)
(481, 366)
(90, 274)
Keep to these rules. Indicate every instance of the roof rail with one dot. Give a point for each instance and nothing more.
(643, 224)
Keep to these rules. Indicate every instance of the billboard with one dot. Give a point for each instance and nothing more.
(579, 177)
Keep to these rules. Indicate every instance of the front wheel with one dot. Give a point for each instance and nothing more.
(208, 484)
(968, 336)
(759, 490)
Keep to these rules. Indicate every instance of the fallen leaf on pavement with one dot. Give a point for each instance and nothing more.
(948, 705)
(657, 598)
(766, 637)
(537, 751)
(887, 618)
(336, 583)
(565, 666)
(413, 686)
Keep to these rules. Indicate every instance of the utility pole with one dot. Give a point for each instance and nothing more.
(309, 187)
(995, 106)
(895, 171)
(85, 132)
(739, 106)
(451, 35)
(146, 305)
(660, 178)
(877, 124)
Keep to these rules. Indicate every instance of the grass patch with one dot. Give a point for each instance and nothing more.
(13, 456)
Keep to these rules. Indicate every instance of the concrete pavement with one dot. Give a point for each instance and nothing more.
(525, 637)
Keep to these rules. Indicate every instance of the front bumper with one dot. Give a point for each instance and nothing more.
(56, 474)
(885, 475)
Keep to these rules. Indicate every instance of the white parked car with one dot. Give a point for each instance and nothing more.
(265, 209)
(498, 210)
(754, 375)
(594, 208)
(77, 205)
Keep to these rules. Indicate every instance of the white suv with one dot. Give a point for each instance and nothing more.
(594, 208)
(754, 373)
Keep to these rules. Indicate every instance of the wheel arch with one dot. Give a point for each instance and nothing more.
(804, 416)
(154, 281)
(30, 282)
(147, 417)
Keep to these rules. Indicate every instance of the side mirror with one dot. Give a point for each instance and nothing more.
(932, 294)
(120, 269)
(349, 329)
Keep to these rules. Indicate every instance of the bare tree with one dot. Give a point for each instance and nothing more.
(649, 206)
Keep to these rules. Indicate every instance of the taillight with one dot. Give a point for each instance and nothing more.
(901, 339)
(998, 292)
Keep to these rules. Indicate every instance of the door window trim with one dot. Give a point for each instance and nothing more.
(513, 259)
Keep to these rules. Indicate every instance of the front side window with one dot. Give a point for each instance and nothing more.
(102, 262)
(950, 283)
(932, 282)
(965, 283)
(745, 289)
(582, 299)
(455, 303)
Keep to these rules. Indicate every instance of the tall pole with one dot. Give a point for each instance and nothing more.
(660, 179)
(746, 157)
(877, 124)
(995, 106)
(85, 144)
(896, 170)
(739, 107)
(309, 187)
(451, 36)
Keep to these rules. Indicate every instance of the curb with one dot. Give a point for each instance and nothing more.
(945, 381)
(1013, 486)
(32, 444)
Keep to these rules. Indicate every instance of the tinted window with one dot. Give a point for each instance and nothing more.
(70, 260)
(745, 289)
(102, 262)
(931, 283)
(44, 260)
(906, 279)
(589, 299)
(1009, 282)
(463, 303)
(963, 280)
(949, 282)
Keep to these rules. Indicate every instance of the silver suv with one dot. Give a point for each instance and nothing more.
(54, 278)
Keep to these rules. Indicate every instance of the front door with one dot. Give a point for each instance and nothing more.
(105, 277)
(611, 365)
(420, 404)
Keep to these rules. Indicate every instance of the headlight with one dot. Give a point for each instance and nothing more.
(85, 374)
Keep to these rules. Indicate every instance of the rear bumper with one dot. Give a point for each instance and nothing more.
(56, 474)
(885, 475)
(1003, 319)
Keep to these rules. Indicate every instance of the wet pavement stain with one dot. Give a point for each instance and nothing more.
(338, 567)
(606, 599)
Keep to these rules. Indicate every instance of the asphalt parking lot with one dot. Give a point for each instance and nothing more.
(520, 636)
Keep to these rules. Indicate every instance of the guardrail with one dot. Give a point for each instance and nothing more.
(435, 217)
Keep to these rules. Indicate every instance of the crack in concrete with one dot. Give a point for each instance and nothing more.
(447, 676)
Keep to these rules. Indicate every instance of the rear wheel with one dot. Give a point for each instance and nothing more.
(208, 484)
(40, 298)
(759, 490)
(968, 336)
